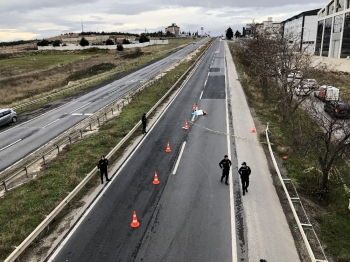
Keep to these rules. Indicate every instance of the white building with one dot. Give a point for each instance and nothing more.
(301, 30)
(333, 30)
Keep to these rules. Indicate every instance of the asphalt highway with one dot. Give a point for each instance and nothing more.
(21, 140)
(190, 215)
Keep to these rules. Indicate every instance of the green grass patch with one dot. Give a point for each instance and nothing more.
(22, 209)
(303, 166)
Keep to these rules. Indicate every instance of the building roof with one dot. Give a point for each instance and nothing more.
(173, 25)
(306, 13)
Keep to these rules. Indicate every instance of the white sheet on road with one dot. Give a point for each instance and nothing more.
(269, 236)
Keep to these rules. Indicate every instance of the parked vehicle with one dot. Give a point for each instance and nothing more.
(302, 90)
(327, 93)
(292, 76)
(311, 83)
(7, 115)
(337, 109)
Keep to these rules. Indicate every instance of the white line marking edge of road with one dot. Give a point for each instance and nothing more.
(232, 203)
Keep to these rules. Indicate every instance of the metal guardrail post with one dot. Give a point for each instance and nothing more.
(98, 120)
(112, 111)
(58, 148)
(81, 133)
(105, 116)
(44, 160)
(70, 140)
(90, 127)
(118, 107)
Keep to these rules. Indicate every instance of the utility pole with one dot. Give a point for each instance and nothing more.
(82, 26)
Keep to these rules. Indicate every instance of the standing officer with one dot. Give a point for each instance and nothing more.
(225, 165)
(244, 171)
(102, 166)
(144, 123)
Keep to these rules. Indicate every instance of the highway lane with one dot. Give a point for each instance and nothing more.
(190, 215)
(105, 233)
(21, 140)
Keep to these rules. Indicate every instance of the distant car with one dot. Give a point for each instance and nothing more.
(296, 75)
(7, 115)
(302, 90)
(311, 83)
(337, 109)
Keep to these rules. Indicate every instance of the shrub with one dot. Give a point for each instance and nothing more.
(109, 42)
(84, 42)
(120, 47)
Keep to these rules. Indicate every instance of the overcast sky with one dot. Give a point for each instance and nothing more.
(38, 19)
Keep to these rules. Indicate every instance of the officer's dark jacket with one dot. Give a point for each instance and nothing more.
(102, 164)
(244, 172)
(144, 119)
(225, 164)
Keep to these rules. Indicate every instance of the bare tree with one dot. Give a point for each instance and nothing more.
(269, 58)
(331, 141)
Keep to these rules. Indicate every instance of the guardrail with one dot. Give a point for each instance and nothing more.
(45, 223)
(116, 105)
(306, 229)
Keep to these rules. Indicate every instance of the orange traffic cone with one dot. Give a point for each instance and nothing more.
(156, 181)
(134, 223)
(186, 126)
(253, 130)
(168, 150)
(194, 107)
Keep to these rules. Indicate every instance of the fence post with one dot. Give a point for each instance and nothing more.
(98, 120)
(4, 183)
(90, 127)
(112, 110)
(118, 107)
(81, 133)
(26, 169)
(44, 160)
(58, 148)
(105, 116)
(70, 140)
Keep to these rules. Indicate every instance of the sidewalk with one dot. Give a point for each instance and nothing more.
(268, 233)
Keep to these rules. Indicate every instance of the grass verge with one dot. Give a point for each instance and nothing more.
(22, 209)
(330, 216)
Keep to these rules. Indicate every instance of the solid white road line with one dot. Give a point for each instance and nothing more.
(201, 95)
(179, 158)
(51, 123)
(232, 203)
(79, 108)
(10, 144)
(77, 114)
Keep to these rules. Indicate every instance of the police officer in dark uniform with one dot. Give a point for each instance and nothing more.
(102, 166)
(225, 165)
(144, 123)
(244, 171)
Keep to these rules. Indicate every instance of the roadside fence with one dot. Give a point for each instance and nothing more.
(312, 243)
(14, 256)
